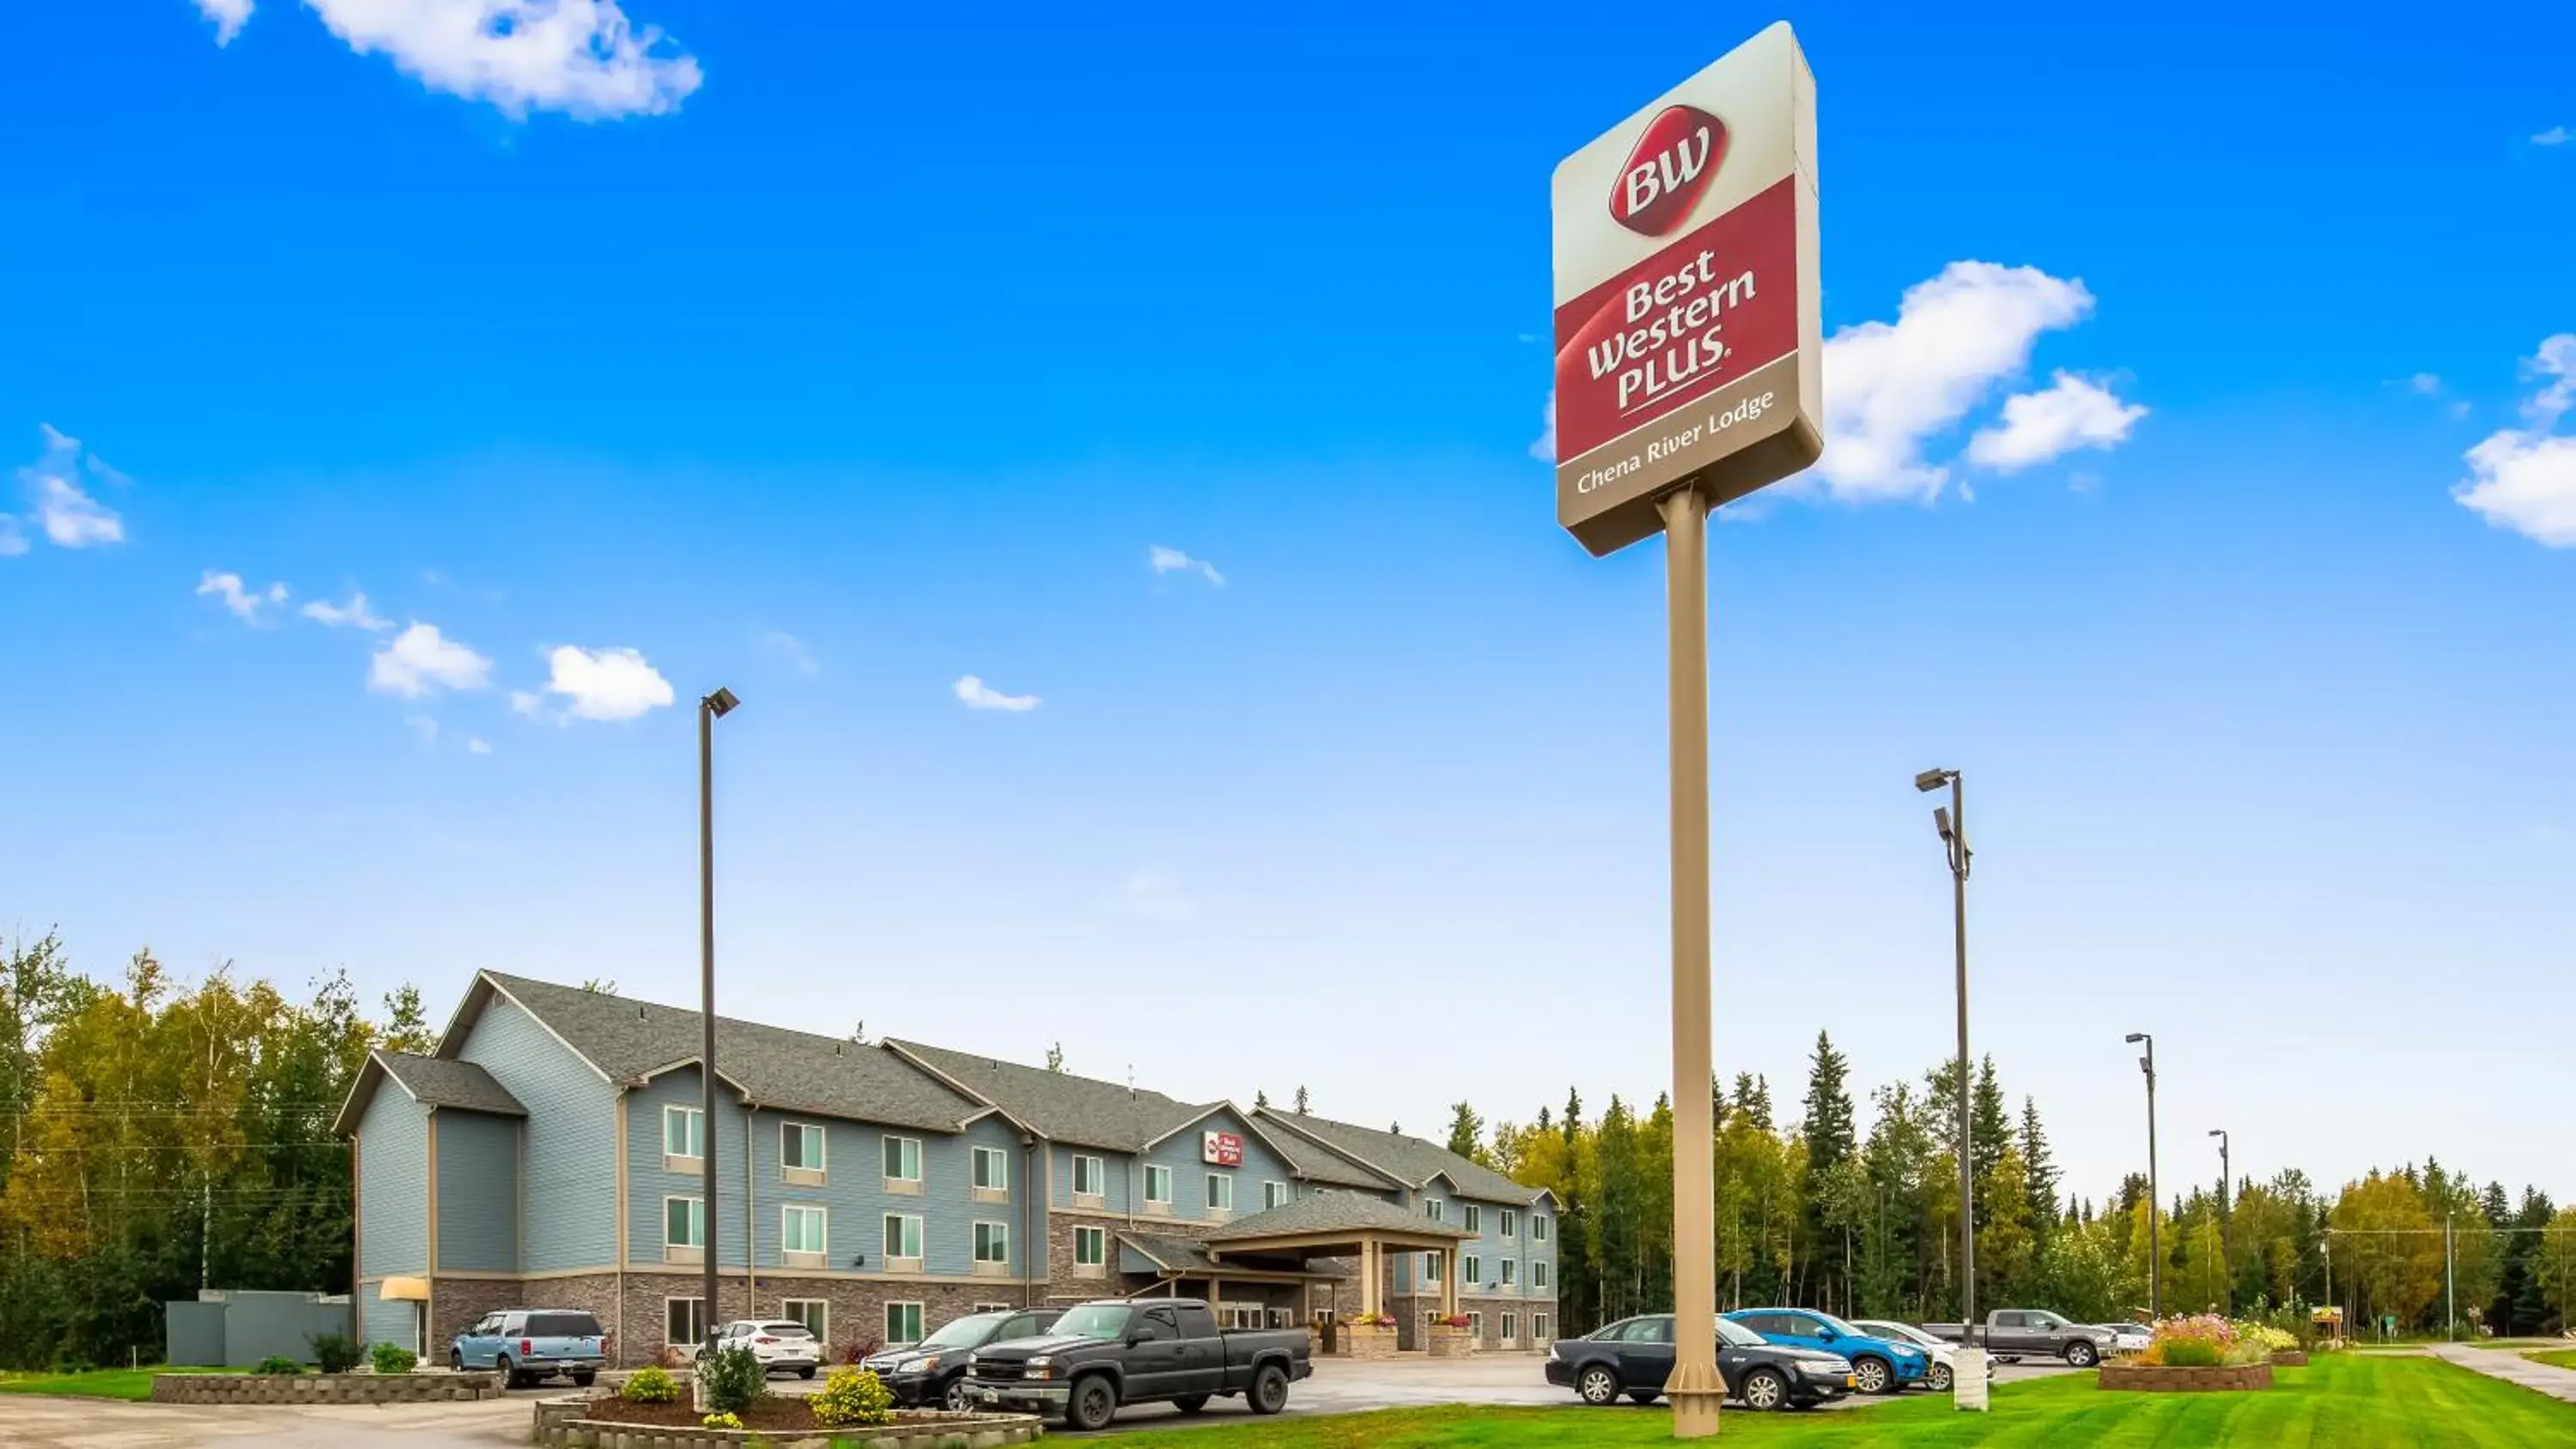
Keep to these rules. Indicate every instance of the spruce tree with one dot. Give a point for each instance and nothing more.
(1466, 1132)
(2039, 1168)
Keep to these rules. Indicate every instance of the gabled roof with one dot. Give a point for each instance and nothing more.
(430, 1081)
(627, 1041)
(1408, 1160)
(1315, 1162)
(1060, 1106)
(1334, 1212)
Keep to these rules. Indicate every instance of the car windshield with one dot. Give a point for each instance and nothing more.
(1836, 1324)
(967, 1332)
(1737, 1335)
(1901, 1332)
(1096, 1320)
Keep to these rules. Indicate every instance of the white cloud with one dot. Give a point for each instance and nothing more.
(2039, 426)
(246, 604)
(1892, 387)
(1167, 560)
(605, 684)
(2424, 384)
(13, 540)
(68, 515)
(423, 728)
(976, 694)
(419, 660)
(526, 702)
(580, 57)
(792, 649)
(2554, 136)
(1545, 448)
(352, 615)
(475, 745)
(228, 16)
(1154, 895)
(2525, 478)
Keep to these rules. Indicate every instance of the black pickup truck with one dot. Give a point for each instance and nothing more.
(1151, 1351)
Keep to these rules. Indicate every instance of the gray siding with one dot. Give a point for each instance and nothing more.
(478, 1191)
(648, 1184)
(1118, 1171)
(393, 1166)
(1183, 1153)
(384, 1322)
(855, 1200)
(570, 1190)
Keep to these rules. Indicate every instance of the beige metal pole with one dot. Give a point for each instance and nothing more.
(1694, 1388)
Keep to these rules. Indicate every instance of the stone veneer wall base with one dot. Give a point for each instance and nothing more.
(559, 1425)
(2166, 1379)
(421, 1388)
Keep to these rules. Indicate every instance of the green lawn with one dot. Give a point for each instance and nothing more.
(2556, 1357)
(133, 1384)
(2339, 1403)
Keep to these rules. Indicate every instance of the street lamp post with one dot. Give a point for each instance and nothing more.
(2226, 1252)
(2155, 1236)
(1968, 1384)
(710, 709)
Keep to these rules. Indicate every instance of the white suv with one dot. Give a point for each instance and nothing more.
(781, 1344)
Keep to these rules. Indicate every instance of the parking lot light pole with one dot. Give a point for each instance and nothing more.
(710, 709)
(2155, 1238)
(1968, 1383)
(2226, 1253)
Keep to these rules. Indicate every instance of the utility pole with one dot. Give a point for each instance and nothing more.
(1968, 1383)
(710, 709)
(2226, 1252)
(2155, 1199)
(2450, 1312)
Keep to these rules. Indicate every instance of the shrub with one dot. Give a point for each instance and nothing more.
(2204, 1341)
(852, 1396)
(722, 1421)
(650, 1386)
(277, 1363)
(393, 1358)
(337, 1353)
(857, 1349)
(734, 1379)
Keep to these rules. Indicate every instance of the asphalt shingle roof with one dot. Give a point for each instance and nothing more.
(1333, 1212)
(630, 1039)
(436, 1082)
(1061, 1106)
(1409, 1158)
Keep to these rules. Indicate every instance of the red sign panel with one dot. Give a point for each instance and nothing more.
(1224, 1149)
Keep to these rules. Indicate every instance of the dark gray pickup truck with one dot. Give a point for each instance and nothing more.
(2014, 1334)
(1151, 1351)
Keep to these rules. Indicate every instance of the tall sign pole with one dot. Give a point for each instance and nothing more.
(1689, 372)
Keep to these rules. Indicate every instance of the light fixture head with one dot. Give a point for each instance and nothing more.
(1931, 780)
(2136, 1037)
(1941, 822)
(2217, 1131)
(721, 703)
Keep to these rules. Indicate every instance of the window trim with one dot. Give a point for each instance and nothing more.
(1098, 1192)
(1226, 1207)
(976, 1157)
(701, 1315)
(804, 1174)
(1099, 1237)
(985, 1230)
(1538, 1227)
(816, 1257)
(1538, 1328)
(1539, 1274)
(1171, 1183)
(1511, 1272)
(920, 1241)
(894, 1144)
(697, 1220)
(684, 1161)
(1275, 1194)
(1511, 1224)
(920, 1322)
(1430, 1267)
(1472, 1218)
(822, 1335)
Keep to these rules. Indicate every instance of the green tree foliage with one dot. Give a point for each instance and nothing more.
(1467, 1133)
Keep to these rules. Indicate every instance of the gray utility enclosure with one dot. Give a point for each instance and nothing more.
(235, 1328)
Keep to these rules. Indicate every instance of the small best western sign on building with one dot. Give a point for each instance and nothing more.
(1224, 1149)
(1688, 344)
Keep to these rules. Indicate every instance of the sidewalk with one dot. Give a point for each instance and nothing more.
(2513, 1368)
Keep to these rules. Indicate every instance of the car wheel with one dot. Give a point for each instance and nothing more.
(1191, 1403)
(510, 1378)
(1938, 1380)
(1093, 1404)
(1873, 1376)
(806, 1372)
(1764, 1389)
(1597, 1386)
(2081, 1353)
(1269, 1390)
(456, 1360)
(955, 1399)
(583, 1381)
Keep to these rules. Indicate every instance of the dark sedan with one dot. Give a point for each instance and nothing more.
(1635, 1356)
(933, 1371)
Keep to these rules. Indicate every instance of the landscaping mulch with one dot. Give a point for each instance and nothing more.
(782, 1412)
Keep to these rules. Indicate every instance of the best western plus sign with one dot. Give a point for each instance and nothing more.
(1687, 346)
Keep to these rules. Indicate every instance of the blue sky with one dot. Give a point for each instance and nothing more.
(843, 359)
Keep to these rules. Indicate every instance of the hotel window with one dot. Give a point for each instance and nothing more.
(1434, 1209)
(1538, 1273)
(903, 1159)
(1470, 1269)
(1511, 1272)
(992, 1169)
(1538, 1228)
(800, 1230)
(902, 1325)
(1158, 1185)
(684, 1222)
(1538, 1327)
(989, 1307)
(1089, 1175)
(1511, 1327)
(684, 1132)
(992, 1242)
(1090, 1247)
(1220, 1192)
(1511, 1228)
(814, 1313)
(903, 1236)
(1431, 1267)
(1274, 1194)
(800, 1147)
(1476, 1326)
(684, 1321)
(1475, 1222)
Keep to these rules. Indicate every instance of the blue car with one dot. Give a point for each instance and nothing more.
(1879, 1365)
(530, 1344)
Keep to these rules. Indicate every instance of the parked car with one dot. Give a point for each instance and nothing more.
(2014, 1334)
(1879, 1365)
(933, 1371)
(2127, 1337)
(1945, 1356)
(783, 1345)
(530, 1344)
(1110, 1353)
(1635, 1356)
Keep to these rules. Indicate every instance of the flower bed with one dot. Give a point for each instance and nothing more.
(2201, 1354)
(2196, 1379)
(1365, 1337)
(781, 1423)
(302, 1388)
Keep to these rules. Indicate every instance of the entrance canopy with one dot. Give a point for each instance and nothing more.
(1340, 1225)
